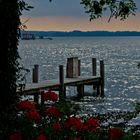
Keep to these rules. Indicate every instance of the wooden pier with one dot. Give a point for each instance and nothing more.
(72, 78)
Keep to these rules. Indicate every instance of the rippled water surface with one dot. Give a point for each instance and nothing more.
(120, 54)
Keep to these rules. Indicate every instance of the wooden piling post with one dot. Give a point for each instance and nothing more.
(79, 67)
(72, 67)
(62, 92)
(94, 66)
(98, 90)
(35, 73)
(102, 77)
(80, 90)
(35, 79)
(94, 69)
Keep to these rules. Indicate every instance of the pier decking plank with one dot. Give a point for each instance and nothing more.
(54, 84)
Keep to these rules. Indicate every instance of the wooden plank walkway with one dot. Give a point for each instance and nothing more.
(37, 88)
(55, 84)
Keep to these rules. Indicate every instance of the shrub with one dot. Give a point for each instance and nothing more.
(57, 120)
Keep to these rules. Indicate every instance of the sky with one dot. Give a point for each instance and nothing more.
(69, 15)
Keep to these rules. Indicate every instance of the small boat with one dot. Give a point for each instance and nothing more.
(28, 36)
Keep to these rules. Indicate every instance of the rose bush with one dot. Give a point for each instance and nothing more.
(57, 120)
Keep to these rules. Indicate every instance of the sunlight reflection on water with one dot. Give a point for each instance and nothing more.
(120, 55)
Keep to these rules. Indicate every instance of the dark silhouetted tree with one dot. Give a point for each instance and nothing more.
(10, 11)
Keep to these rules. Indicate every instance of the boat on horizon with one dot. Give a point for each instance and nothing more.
(28, 36)
(49, 38)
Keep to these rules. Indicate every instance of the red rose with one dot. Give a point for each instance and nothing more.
(50, 95)
(77, 138)
(56, 127)
(15, 136)
(115, 134)
(25, 105)
(74, 123)
(91, 125)
(33, 116)
(41, 137)
(53, 112)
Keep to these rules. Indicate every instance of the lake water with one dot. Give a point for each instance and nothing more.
(120, 54)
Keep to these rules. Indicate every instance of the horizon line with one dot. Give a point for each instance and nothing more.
(81, 31)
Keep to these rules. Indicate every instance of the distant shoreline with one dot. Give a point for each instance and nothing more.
(43, 34)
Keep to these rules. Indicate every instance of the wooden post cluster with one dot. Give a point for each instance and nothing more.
(73, 70)
(73, 78)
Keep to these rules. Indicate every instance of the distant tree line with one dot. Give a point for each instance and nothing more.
(44, 34)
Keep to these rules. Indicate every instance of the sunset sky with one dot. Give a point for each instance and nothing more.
(69, 15)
